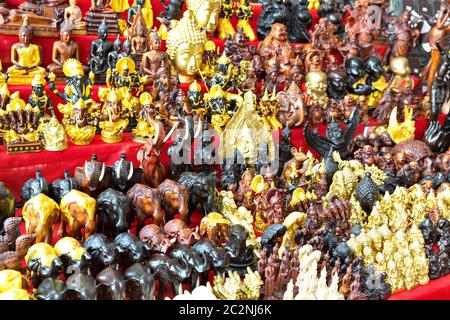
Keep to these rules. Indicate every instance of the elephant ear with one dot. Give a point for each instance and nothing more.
(57, 265)
(72, 294)
(104, 292)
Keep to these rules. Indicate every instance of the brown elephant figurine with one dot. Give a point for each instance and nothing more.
(148, 156)
(175, 199)
(94, 177)
(77, 210)
(216, 227)
(178, 229)
(145, 201)
(40, 214)
(292, 108)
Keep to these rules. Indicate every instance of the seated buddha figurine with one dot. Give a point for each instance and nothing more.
(276, 47)
(153, 59)
(147, 12)
(39, 98)
(25, 57)
(185, 46)
(62, 50)
(140, 42)
(101, 12)
(54, 135)
(99, 52)
(144, 129)
(402, 80)
(74, 16)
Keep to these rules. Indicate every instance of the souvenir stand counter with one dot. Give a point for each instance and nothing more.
(323, 164)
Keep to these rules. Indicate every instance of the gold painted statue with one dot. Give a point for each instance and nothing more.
(402, 80)
(12, 280)
(245, 12)
(225, 27)
(316, 88)
(74, 17)
(81, 125)
(268, 109)
(185, 46)
(144, 129)
(205, 13)
(219, 102)
(233, 288)
(25, 57)
(401, 131)
(54, 135)
(114, 118)
(246, 132)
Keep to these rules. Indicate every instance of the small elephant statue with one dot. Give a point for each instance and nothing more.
(113, 213)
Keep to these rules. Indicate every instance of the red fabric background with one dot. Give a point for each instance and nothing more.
(16, 169)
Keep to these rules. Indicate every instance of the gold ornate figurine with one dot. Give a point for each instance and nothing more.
(244, 12)
(226, 13)
(401, 131)
(114, 118)
(205, 12)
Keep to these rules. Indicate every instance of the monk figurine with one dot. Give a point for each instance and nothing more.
(152, 60)
(74, 16)
(276, 47)
(114, 55)
(62, 50)
(140, 42)
(100, 49)
(402, 80)
(25, 57)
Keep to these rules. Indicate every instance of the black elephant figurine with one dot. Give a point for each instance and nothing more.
(110, 285)
(202, 190)
(34, 186)
(100, 253)
(218, 257)
(125, 175)
(72, 263)
(139, 282)
(130, 249)
(113, 213)
(50, 289)
(80, 286)
(198, 261)
(7, 203)
(169, 271)
(242, 256)
(41, 269)
(94, 177)
(60, 187)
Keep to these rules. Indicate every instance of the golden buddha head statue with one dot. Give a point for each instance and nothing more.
(185, 47)
(316, 83)
(205, 12)
(400, 66)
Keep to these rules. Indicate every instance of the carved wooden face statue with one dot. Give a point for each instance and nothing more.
(279, 32)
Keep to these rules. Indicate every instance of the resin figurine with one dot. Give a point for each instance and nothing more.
(74, 17)
(100, 49)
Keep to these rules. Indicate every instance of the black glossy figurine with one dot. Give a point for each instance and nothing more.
(337, 139)
(198, 261)
(367, 193)
(139, 282)
(130, 249)
(355, 70)
(80, 286)
(232, 170)
(100, 50)
(113, 213)
(100, 252)
(125, 175)
(332, 10)
(273, 11)
(218, 257)
(34, 186)
(337, 85)
(285, 147)
(110, 285)
(271, 235)
(60, 187)
(300, 22)
(374, 69)
(172, 11)
(242, 256)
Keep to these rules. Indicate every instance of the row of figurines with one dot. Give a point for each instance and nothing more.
(212, 15)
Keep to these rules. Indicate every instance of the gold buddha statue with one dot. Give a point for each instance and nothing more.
(81, 126)
(54, 136)
(402, 80)
(205, 12)
(316, 88)
(25, 57)
(185, 46)
(144, 129)
(114, 118)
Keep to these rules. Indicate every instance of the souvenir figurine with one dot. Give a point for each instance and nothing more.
(139, 37)
(153, 59)
(316, 89)
(39, 99)
(355, 77)
(375, 79)
(244, 13)
(238, 48)
(336, 139)
(60, 187)
(402, 36)
(242, 256)
(185, 47)
(400, 132)
(139, 282)
(54, 135)
(22, 131)
(125, 175)
(7, 203)
(216, 227)
(100, 49)
(172, 11)
(34, 186)
(77, 210)
(145, 201)
(47, 213)
(224, 26)
(63, 50)
(74, 17)
(42, 262)
(337, 85)
(114, 118)
(147, 12)
(94, 177)
(25, 57)
(220, 105)
(223, 76)
(268, 109)
(300, 23)
(401, 80)
(101, 13)
(275, 48)
(114, 55)
(205, 13)
(131, 250)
